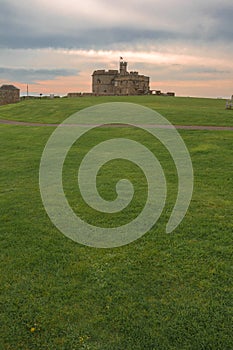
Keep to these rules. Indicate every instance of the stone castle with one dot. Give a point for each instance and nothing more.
(114, 82)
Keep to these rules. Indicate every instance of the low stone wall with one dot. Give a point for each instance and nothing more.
(74, 94)
(79, 94)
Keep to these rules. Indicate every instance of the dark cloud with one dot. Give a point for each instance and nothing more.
(172, 72)
(33, 75)
(224, 30)
(25, 26)
(93, 38)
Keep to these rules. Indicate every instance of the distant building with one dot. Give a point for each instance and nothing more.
(9, 94)
(160, 93)
(114, 82)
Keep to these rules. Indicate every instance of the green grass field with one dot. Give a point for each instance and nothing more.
(161, 292)
(179, 110)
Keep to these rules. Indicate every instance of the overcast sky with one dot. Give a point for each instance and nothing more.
(54, 46)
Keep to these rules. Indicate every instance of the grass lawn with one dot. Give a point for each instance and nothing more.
(179, 110)
(161, 292)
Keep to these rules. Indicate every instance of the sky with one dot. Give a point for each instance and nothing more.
(54, 46)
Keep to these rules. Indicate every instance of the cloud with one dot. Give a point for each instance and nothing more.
(176, 72)
(170, 41)
(102, 24)
(23, 75)
(88, 38)
(205, 70)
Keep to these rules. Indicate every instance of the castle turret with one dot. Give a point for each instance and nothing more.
(123, 68)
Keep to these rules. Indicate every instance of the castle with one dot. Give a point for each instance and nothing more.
(114, 82)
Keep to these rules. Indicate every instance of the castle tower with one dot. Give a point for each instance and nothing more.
(123, 68)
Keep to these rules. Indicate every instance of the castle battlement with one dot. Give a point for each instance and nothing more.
(103, 71)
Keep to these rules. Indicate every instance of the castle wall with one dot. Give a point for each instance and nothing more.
(132, 84)
(74, 94)
(103, 82)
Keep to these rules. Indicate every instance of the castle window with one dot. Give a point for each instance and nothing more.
(98, 81)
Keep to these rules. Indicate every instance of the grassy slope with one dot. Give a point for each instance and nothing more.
(178, 110)
(161, 292)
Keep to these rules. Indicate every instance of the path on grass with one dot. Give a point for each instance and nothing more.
(184, 127)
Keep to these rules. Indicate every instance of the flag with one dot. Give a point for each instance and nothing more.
(121, 58)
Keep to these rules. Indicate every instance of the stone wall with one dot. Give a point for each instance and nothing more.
(74, 94)
(9, 94)
(132, 84)
(103, 82)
